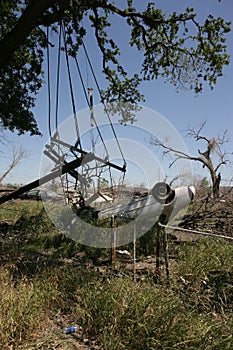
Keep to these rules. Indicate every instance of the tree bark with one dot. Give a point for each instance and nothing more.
(216, 186)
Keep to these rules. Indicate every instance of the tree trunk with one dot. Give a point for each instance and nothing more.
(216, 186)
(216, 179)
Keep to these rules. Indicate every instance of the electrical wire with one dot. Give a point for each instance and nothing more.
(89, 105)
(48, 77)
(71, 87)
(99, 90)
(195, 232)
(58, 77)
(63, 36)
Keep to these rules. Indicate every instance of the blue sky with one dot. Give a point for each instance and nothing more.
(182, 109)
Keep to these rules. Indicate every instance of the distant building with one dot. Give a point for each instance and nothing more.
(129, 191)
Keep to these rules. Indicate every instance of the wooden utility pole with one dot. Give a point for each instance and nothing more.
(62, 170)
(161, 244)
(113, 239)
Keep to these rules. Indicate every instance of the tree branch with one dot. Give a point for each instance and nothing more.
(25, 24)
(147, 19)
(16, 157)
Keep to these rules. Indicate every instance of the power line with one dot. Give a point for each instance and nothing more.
(71, 86)
(99, 90)
(195, 232)
(48, 76)
(58, 76)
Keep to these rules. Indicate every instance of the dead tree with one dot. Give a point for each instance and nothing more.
(213, 157)
(15, 155)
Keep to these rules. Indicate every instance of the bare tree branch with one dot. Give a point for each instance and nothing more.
(17, 154)
(214, 146)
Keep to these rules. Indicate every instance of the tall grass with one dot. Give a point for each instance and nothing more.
(144, 316)
(120, 313)
(24, 308)
(208, 254)
(193, 310)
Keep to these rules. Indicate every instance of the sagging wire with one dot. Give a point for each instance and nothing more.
(89, 101)
(99, 90)
(48, 84)
(58, 77)
(195, 231)
(71, 87)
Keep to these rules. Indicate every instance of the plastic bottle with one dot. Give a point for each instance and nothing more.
(71, 329)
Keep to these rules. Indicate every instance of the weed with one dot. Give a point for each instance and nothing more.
(23, 308)
(38, 282)
(133, 316)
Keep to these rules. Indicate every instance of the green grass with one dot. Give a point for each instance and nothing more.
(144, 316)
(43, 289)
(24, 305)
